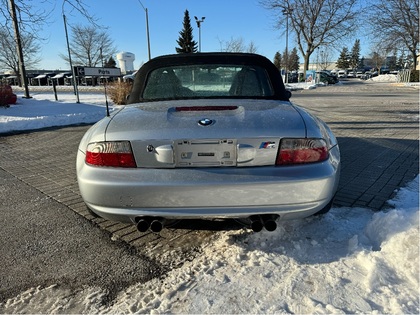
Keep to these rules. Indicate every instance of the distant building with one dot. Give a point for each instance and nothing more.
(317, 66)
(126, 61)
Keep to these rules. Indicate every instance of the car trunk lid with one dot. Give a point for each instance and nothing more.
(206, 133)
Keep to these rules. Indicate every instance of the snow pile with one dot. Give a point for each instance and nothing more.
(349, 261)
(384, 78)
(43, 111)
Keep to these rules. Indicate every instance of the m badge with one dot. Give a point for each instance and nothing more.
(268, 145)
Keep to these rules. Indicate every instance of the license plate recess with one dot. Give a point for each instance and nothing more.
(205, 153)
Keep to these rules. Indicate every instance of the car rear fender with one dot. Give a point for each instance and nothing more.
(317, 128)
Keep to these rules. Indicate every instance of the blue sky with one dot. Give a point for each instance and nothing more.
(126, 22)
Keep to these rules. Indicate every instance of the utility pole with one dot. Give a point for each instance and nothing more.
(147, 29)
(287, 12)
(19, 49)
(73, 71)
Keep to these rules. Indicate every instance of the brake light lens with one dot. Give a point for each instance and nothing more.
(111, 154)
(301, 151)
(204, 108)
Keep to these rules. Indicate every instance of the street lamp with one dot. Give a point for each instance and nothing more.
(147, 28)
(199, 30)
(287, 12)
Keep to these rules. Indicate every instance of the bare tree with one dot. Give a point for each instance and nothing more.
(378, 60)
(8, 56)
(324, 58)
(315, 23)
(252, 48)
(80, 7)
(26, 18)
(237, 45)
(19, 14)
(396, 26)
(90, 46)
(30, 17)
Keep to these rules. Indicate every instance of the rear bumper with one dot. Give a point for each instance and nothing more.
(290, 192)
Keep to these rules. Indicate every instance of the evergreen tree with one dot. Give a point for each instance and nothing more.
(294, 60)
(285, 60)
(185, 41)
(277, 60)
(355, 55)
(110, 63)
(343, 59)
(362, 63)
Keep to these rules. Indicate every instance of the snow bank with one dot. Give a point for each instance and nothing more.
(384, 78)
(349, 261)
(43, 111)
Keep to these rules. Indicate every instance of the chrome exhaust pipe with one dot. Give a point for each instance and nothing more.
(157, 225)
(256, 223)
(270, 225)
(269, 222)
(143, 224)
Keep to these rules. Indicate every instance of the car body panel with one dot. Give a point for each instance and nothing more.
(206, 157)
(209, 192)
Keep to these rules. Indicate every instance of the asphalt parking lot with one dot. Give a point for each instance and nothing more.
(376, 125)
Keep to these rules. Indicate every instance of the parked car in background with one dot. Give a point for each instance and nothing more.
(360, 73)
(342, 74)
(208, 136)
(129, 77)
(326, 77)
(351, 73)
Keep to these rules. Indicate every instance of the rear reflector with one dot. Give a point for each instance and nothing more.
(301, 151)
(112, 154)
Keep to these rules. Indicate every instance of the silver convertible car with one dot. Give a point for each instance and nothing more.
(208, 136)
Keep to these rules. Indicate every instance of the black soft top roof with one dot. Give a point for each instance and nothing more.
(218, 58)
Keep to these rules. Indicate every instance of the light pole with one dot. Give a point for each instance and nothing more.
(76, 91)
(287, 12)
(199, 30)
(147, 29)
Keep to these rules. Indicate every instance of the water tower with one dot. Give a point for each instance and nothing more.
(126, 61)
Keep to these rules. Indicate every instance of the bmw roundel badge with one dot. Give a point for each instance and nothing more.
(205, 122)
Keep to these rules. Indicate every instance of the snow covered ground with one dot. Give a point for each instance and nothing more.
(351, 260)
(42, 110)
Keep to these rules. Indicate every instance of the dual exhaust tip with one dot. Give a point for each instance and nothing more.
(256, 223)
(143, 224)
(268, 221)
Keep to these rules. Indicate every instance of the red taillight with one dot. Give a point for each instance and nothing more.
(301, 151)
(113, 154)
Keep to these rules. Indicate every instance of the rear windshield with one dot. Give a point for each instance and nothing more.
(207, 81)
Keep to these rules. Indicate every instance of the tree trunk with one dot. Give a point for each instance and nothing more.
(22, 70)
